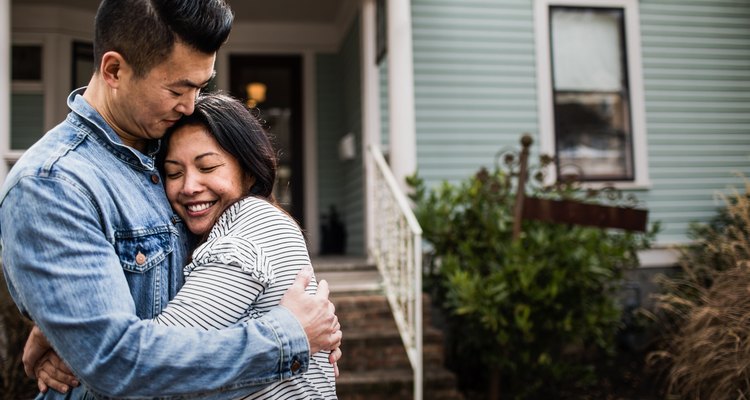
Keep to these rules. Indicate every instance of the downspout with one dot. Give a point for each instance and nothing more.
(402, 136)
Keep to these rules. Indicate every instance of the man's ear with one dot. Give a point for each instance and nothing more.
(113, 68)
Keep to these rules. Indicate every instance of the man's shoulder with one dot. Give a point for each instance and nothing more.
(57, 155)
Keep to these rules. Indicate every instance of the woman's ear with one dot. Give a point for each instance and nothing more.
(113, 68)
(248, 182)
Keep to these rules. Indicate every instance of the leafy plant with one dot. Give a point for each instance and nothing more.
(540, 309)
(705, 311)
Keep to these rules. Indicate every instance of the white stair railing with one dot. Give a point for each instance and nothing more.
(397, 251)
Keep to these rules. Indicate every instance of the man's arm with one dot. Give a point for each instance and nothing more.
(77, 294)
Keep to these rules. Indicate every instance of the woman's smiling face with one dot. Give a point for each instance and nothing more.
(201, 178)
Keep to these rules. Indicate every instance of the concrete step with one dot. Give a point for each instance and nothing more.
(347, 275)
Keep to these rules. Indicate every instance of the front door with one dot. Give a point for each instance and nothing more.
(273, 85)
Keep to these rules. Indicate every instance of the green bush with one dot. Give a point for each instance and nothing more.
(704, 312)
(542, 310)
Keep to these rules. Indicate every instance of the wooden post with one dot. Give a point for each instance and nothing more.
(526, 142)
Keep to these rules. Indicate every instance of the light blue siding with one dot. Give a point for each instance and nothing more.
(475, 87)
(474, 83)
(339, 112)
(696, 67)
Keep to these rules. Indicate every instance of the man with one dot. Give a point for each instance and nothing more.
(91, 246)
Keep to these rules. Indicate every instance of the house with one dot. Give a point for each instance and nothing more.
(651, 96)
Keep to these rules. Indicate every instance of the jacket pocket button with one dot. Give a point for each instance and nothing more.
(140, 258)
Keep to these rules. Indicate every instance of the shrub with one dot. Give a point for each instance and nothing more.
(539, 310)
(13, 331)
(705, 311)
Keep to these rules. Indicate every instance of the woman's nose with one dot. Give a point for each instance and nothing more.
(192, 184)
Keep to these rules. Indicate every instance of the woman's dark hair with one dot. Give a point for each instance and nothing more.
(144, 31)
(239, 133)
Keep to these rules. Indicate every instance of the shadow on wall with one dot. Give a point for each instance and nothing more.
(333, 233)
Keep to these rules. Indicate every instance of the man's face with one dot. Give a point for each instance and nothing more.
(143, 108)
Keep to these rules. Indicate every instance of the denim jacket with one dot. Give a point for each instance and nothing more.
(91, 248)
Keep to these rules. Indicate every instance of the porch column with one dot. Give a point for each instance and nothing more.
(4, 85)
(370, 111)
(402, 135)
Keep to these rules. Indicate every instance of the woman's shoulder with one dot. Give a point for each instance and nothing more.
(254, 211)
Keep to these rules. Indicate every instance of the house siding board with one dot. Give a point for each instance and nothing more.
(329, 103)
(474, 83)
(384, 115)
(696, 66)
(352, 171)
(339, 112)
(475, 93)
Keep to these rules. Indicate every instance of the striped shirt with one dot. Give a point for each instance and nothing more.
(251, 257)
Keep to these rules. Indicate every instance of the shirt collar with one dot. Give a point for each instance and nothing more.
(83, 109)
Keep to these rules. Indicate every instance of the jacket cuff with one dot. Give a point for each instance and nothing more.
(294, 346)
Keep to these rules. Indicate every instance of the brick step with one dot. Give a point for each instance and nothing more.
(370, 309)
(366, 350)
(396, 384)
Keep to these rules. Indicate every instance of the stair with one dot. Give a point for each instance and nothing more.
(375, 365)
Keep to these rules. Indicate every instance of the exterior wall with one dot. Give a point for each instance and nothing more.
(352, 169)
(696, 66)
(384, 119)
(329, 127)
(476, 93)
(339, 113)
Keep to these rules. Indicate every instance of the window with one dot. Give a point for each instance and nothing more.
(381, 35)
(82, 64)
(27, 98)
(590, 89)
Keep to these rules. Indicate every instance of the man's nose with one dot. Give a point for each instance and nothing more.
(187, 102)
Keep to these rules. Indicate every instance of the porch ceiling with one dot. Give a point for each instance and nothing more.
(286, 11)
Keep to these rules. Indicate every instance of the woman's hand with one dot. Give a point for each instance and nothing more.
(42, 363)
(333, 358)
(52, 373)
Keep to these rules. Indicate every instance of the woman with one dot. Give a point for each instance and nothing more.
(219, 169)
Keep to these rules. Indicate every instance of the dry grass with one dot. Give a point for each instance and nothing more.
(706, 312)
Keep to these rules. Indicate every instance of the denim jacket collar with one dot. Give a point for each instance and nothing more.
(107, 135)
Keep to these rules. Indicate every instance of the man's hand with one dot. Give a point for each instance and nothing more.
(315, 313)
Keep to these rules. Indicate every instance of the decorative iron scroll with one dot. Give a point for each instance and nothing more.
(565, 200)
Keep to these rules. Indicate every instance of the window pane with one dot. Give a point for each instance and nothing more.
(586, 49)
(26, 63)
(593, 135)
(591, 105)
(26, 120)
(83, 64)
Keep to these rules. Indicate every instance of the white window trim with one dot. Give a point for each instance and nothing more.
(635, 79)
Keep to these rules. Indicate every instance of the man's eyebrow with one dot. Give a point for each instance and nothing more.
(189, 83)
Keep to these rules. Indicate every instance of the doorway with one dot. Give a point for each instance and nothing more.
(272, 84)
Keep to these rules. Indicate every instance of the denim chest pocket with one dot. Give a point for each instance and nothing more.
(141, 249)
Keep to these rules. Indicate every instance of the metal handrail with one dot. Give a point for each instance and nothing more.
(397, 251)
